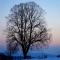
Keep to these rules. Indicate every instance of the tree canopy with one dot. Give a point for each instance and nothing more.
(26, 26)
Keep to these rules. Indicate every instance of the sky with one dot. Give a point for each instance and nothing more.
(52, 17)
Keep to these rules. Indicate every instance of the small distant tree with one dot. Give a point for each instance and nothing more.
(26, 26)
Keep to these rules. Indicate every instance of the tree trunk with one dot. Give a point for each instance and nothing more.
(25, 55)
(25, 51)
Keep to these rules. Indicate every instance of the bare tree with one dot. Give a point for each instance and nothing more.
(26, 26)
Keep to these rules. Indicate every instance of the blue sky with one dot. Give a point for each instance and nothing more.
(52, 7)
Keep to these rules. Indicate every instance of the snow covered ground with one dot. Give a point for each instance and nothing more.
(50, 53)
(54, 58)
(46, 59)
(45, 55)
